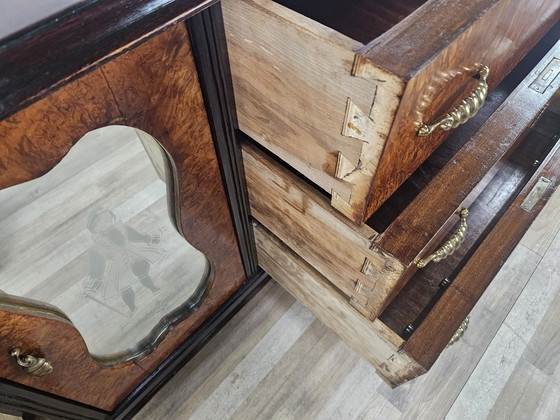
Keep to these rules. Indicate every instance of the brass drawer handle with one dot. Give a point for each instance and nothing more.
(460, 332)
(32, 365)
(450, 246)
(462, 112)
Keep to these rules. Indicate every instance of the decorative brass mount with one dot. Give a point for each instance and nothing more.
(450, 246)
(460, 332)
(462, 112)
(32, 365)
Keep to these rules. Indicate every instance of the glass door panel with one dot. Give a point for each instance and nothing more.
(96, 238)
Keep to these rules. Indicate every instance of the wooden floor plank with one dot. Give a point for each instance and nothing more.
(484, 385)
(536, 303)
(550, 400)
(545, 227)
(521, 394)
(526, 387)
(295, 384)
(355, 396)
(230, 393)
(195, 382)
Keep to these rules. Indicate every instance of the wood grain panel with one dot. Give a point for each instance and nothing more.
(154, 88)
(176, 117)
(302, 218)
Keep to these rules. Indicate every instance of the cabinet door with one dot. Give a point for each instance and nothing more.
(118, 240)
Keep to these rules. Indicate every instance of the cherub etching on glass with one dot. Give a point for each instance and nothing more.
(120, 259)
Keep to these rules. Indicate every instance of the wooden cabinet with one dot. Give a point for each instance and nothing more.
(398, 287)
(339, 97)
(340, 90)
(147, 70)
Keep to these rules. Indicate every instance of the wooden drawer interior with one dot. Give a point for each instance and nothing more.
(357, 19)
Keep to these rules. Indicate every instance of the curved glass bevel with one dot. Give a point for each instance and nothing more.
(96, 238)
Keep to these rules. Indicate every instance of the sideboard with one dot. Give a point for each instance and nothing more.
(380, 161)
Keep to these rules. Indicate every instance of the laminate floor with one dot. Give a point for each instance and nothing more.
(274, 360)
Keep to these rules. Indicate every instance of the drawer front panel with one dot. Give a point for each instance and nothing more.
(439, 82)
(524, 130)
(469, 172)
(430, 339)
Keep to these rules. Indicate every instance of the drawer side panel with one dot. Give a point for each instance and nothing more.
(304, 220)
(296, 95)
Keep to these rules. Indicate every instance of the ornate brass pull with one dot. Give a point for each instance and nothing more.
(450, 246)
(32, 365)
(460, 332)
(462, 112)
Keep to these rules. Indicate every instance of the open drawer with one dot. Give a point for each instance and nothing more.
(341, 90)
(503, 174)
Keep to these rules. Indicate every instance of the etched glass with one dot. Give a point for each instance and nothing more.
(95, 237)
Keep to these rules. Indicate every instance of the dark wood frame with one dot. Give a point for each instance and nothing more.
(207, 41)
